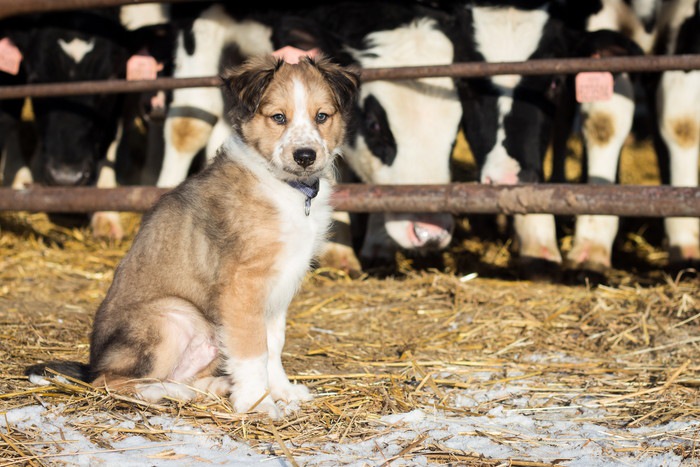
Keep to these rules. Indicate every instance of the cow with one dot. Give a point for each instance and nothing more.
(605, 125)
(11, 74)
(402, 132)
(78, 136)
(677, 110)
(510, 121)
(659, 28)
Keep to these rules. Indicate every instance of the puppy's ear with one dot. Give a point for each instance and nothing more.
(345, 82)
(246, 84)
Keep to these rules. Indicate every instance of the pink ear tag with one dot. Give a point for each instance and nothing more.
(292, 54)
(592, 86)
(10, 56)
(141, 67)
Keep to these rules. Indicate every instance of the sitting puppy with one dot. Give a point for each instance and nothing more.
(199, 302)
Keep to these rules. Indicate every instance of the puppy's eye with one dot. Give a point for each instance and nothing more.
(321, 117)
(279, 119)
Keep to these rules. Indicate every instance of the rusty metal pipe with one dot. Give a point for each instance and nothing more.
(455, 70)
(111, 86)
(457, 198)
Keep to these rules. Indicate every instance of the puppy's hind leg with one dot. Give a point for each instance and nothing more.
(161, 356)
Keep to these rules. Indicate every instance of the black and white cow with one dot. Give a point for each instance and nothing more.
(404, 131)
(663, 28)
(677, 108)
(78, 136)
(509, 121)
(605, 125)
(11, 74)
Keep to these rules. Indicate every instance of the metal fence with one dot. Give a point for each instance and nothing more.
(564, 199)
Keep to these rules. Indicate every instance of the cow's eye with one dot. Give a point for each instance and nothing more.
(321, 117)
(279, 119)
(372, 123)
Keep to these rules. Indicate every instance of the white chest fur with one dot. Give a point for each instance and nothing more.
(301, 237)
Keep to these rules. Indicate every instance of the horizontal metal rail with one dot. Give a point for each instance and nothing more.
(474, 198)
(455, 70)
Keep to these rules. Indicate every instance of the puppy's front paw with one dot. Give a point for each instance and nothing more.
(245, 403)
(290, 393)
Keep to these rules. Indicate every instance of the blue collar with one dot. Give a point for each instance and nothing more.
(308, 190)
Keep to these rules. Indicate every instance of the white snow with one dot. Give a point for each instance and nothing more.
(558, 437)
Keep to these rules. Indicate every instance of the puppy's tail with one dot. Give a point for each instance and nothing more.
(38, 373)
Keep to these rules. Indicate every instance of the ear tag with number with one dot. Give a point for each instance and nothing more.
(592, 86)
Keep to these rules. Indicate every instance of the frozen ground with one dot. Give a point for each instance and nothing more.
(514, 436)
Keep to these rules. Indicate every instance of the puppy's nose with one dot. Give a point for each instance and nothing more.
(304, 157)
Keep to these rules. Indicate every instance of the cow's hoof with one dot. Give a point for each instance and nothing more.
(684, 262)
(107, 224)
(684, 254)
(587, 256)
(587, 263)
(538, 269)
(684, 271)
(583, 276)
(340, 257)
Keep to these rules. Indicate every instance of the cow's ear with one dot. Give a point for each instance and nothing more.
(301, 33)
(574, 13)
(158, 39)
(19, 30)
(305, 33)
(606, 43)
(245, 85)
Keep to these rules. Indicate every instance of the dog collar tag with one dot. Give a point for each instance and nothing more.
(310, 191)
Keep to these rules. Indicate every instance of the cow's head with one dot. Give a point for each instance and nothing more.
(406, 129)
(508, 120)
(403, 131)
(74, 132)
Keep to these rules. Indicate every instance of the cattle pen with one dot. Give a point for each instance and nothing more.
(449, 359)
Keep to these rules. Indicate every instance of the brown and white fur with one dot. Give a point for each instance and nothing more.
(198, 305)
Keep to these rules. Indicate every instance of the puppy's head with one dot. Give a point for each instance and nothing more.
(296, 115)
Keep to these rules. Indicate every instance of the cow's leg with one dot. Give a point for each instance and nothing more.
(108, 224)
(606, 125)
(14, 160)
(378, 248)
(338, 251)
(538, 250)
(23, 178)
(193, 112)
(678, 103)
(15, 165)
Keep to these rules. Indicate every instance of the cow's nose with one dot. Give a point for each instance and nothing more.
(304, 157)
(62, 175)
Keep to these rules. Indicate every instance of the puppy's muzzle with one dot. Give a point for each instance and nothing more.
(304, 157)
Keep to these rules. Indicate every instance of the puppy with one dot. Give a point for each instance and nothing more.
(199, 302)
